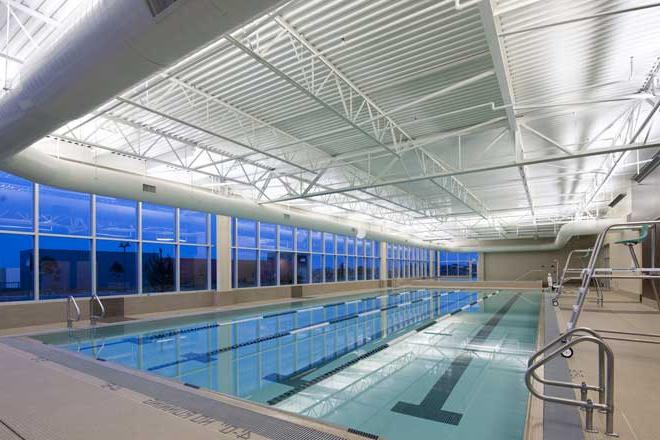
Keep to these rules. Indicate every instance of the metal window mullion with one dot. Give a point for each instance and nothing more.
(93, 227)
(257, 240)
(209, 252)
(177, 251)
(140, 290)
(35, 224)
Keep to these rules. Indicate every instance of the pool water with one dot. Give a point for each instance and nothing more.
(419, 363)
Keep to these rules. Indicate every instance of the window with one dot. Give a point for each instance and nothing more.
(16, 203)
(116, 267)
(317, 241)
(64, 212)
(286, 238)
(267, 236)
(268, 264)
(158, 266)
(341, 245)
(116, 218)
(328, 243)
(329, 268)
(193, 267)
(193, 227)
(16, 270)
(341, 268)
(246, 268)
(286, 268)
(65, 267)
(246, 233)
(302, 268)
(157, 222)
(302, 239)
(317, 268)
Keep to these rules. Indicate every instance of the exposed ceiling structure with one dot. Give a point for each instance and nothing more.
(446, 120)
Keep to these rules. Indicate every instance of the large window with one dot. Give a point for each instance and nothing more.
(73, 250)
(457, 264)
(286, 255)
(407, 261)
(16, 269)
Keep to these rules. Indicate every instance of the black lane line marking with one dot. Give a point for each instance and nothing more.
(304, 384)
(363, 433)
(425, 326)
(431, 406)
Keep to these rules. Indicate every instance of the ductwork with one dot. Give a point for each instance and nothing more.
(40, 167)
(115, 44)
(565, 233)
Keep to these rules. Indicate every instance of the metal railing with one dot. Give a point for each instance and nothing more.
(93, 317)
(574, 274)
(635, 272)
(69, 319)
(605, 388)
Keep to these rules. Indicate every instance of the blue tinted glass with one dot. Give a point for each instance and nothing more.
(360, 246)
(158, 267)
(16, 207)
(329, 243)
(350, 245)
(246, 268)
(116, 267)
(116, 218)
(192, 227)
(246, 233)
(64, 212)
(302, 268)
(268, 269)
(341, 244)
(317, 268)
(350, 268)
(286, 238)
(376, 248)
(157, 222)
(286, 268)
(16, 275)
(267, 236)
(317, 241)
(341, 268)
(368, 247)
(329, 269)
(193, 268)
(65, 267)
(302, 239)
(376, 268)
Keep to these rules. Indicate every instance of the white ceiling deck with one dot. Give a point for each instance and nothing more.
(446, 120)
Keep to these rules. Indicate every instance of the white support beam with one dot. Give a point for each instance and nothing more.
(32, 12)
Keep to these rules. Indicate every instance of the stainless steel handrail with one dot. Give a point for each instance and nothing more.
(69, 320)
(605, 375)
(567, 269)
(92, 316)
(588, 274)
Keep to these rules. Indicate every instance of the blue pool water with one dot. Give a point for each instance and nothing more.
(405, 364)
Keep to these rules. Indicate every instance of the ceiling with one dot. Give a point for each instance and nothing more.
(447, 120)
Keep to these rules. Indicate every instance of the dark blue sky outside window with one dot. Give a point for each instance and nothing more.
(65, 267)
(268, 261)
(16, 203)
(64, 212)
(267, 236)
(192, 227)
(158, 222)
(317, 241)
(317, 268)
(116, 267)
(341, 244)
(116, 218)
(286, 238)
(16, 274)
(302, 239)
(286, 268)
(158, 262)
(246, 268)
(246, 231)
(329, 243)
(350, 245)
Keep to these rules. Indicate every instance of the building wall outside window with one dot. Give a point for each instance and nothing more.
(86, 244)
(265, 254)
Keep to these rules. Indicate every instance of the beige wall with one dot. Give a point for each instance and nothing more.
(509, 266)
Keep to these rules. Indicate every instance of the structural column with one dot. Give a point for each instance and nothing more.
(223, 260)
(383, 260)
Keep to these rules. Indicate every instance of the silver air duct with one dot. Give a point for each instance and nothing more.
(115, 44)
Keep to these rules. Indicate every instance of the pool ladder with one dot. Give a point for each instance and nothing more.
(562, 345)
(93, 317)
(69, 318)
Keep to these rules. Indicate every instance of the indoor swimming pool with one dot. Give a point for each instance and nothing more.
(414, 363)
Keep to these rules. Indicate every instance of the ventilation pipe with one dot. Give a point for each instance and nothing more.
(75, 176)
(111, 47)
(565, 233)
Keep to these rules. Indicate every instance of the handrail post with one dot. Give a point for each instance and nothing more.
(69, 320)
(92, 316)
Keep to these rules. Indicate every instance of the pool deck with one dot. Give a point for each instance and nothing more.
(637, 383)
